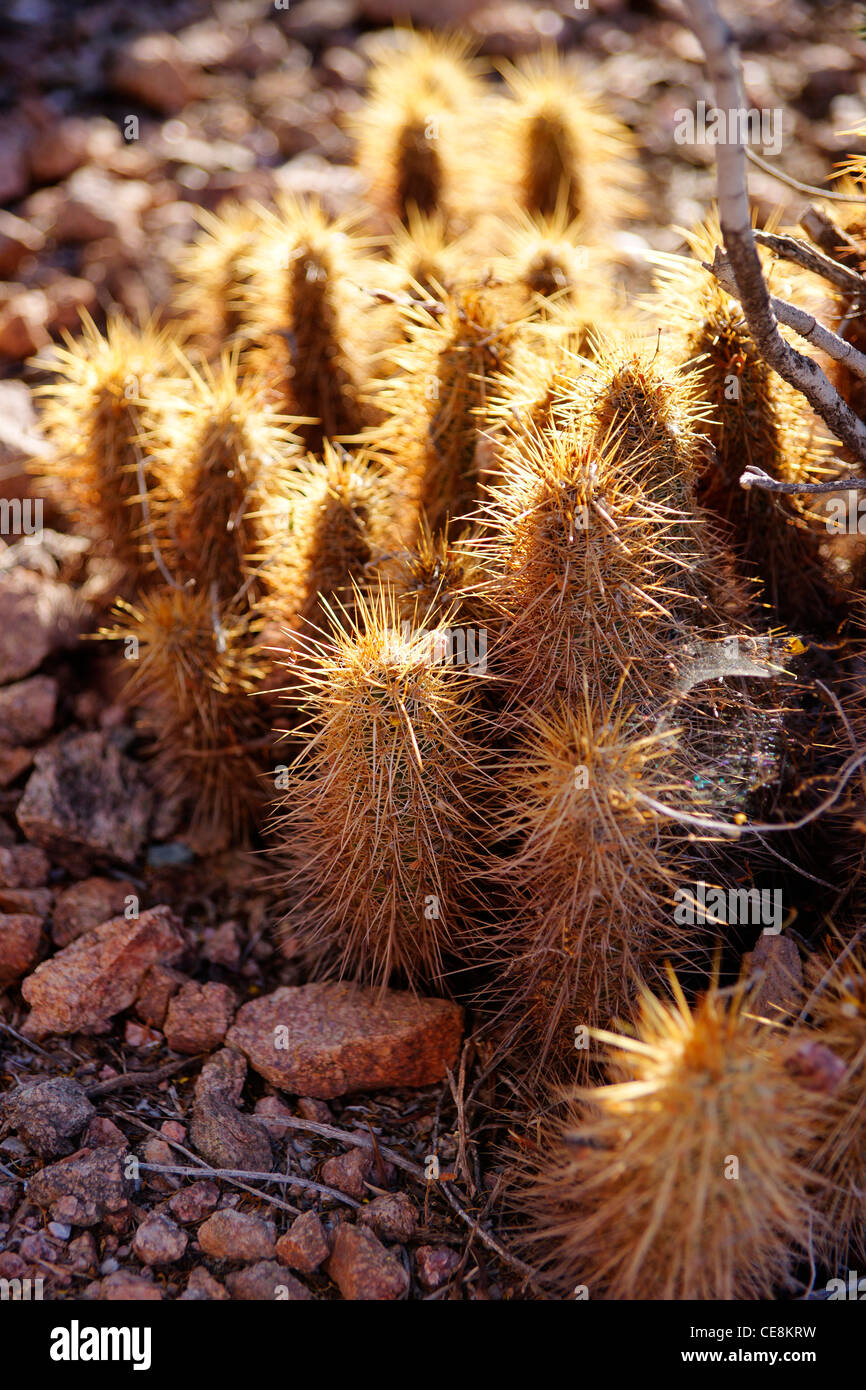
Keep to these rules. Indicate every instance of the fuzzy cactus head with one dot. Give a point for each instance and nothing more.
(686, 1176)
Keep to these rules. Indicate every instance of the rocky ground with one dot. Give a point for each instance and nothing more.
(155, 1141)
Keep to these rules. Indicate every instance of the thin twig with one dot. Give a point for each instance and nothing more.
(798, 184)
(141, 1078)
(753, 476)
(282, 1179)
(758, 828)
(361, 1141)
(204, 1170)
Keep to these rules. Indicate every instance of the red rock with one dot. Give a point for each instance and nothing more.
(237, 1235)
(158, 1241)
(123, 1287)
(48, 1114)
(34, 902)
(222, 946)
(67, 296)
(20, 936)
(154, 69)
(304, 1246)
(82, 1189)
(156, 1151)
(82, 987)
(13, 1267)
(82, 1253)
(18, 239)
(23, 333)
(23, 866)
(58, 148)
(815, 1066)
(14, 762)
(20, 438)
(103, 1133)
(88, 904)
(393, 1216)
(265, 1282)
(219, 1131)
(201, 1285)
(434, 1265)
(138, 1035)
(86, 800)
(96, 204)
(198, 1017)
(194, 1202)
(27, 709)
(158, 985)
(326, 1040)
(362, 1268)
(14, 173)
(347, 1172)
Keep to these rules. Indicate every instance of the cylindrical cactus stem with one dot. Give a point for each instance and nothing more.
(193, 667)
(96, 412)
(587, 872)
(414, 133)
(568, 152)
(312, 306)
(381, 817)
(434, 426)
(214, 273)
(218, 451)
(324, 534)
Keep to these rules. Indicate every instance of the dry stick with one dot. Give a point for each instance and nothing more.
(28, 1042)
(736, 223)
(141, 1078)
(756, 477)
(204, 1169)
(798, 184)
(283, 1179)
(789, 248)
(362, 1142)
(805, 325)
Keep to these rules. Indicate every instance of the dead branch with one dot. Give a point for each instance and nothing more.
(789, 248)
(803, 324)
(756, 477)
(735, 217)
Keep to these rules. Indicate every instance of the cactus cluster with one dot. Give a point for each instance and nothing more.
(544, 668)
